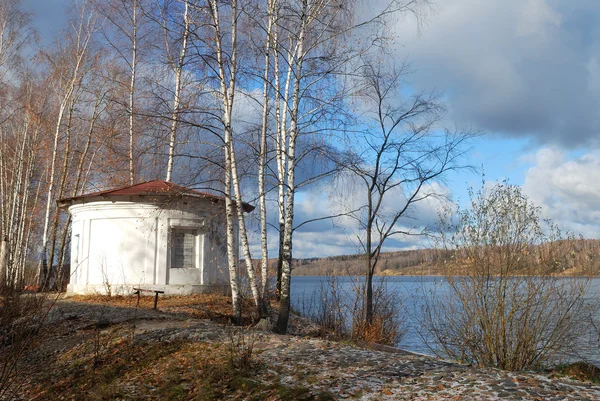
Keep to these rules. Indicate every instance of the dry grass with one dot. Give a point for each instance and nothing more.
(21, 318)
(106, 365)
(341, 314)
(580, 371)
(215, 307)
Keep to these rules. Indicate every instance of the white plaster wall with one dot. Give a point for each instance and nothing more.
(124, 244)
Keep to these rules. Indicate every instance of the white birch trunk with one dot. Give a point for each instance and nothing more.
(177, 98)
(24, 231)
(17, 206)
(83, 39)
(227, 99)
(243, 233)
(263, 158)
(132, 92)
(63, 179)
(3, 263)
(42, 272)
(286, 254)
(281, 153)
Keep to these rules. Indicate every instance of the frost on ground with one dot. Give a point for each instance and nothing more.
(116, 351)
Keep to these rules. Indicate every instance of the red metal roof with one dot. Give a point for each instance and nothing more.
(150, 188)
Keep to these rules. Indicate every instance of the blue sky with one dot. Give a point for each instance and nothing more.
(524, 72)
(49, 16)
(527, 74)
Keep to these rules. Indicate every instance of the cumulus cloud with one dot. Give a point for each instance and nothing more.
(518, 68)
(341, 235)
(567, 189)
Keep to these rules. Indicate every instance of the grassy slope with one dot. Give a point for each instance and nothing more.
(106, 364)
(88, 364)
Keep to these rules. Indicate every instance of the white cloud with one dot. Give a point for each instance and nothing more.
(341, 235)
(567, 189)
(536, 16)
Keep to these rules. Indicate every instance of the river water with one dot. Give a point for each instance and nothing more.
(410, 292)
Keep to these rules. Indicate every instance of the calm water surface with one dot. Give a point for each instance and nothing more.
(410, 290)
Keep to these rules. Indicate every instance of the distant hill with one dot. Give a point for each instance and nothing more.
(414, 262)
(427, 262)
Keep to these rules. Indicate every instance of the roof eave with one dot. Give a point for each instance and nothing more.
(64, 203)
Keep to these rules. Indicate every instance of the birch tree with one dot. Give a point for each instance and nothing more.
(227, 67)
(126, 32)
(226, 78)
(97, 93)
(315, 53)
(403, 153)
(272, 15)
(18, 132)
(19, 156)
(176, 64)
(15, 32)
(69, 67)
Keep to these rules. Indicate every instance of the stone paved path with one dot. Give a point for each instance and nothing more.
(367, 374)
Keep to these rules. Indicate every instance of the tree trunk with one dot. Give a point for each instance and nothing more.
(61, 188)
(177, 97)
(262, 163)
(286, 264)
(3, 263)
(243, 235)
(281, 152)
(43, 269)
(227, 96)
(369, 254)
(132, 92)
(84, 35)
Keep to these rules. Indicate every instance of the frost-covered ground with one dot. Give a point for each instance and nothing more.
(320, 366)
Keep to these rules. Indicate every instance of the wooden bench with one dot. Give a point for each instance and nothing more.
(138, 292)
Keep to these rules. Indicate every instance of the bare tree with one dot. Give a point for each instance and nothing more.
(505, 304)
(315, 50)
(400, 156)
(272, 6)
(126, 32)
(19, 130)
(227, 79)
(68, 66)
(307, 33)
(20, 152)
(181, 32)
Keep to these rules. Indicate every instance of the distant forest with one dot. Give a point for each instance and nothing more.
(585, 260)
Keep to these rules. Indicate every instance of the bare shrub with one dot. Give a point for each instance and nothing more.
(342, 313)
(505, 304)
(241, 347)
(21, 317)
(328, 307)
(386, 326)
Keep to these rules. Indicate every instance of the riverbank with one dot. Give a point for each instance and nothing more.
(92, 349)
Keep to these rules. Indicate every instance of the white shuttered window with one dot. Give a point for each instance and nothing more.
(183, 248)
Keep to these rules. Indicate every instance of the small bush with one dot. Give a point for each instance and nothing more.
(504, 304)
(21, 317)
(386, 326)
(342, 313)
(328, 308)
(241, 347)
